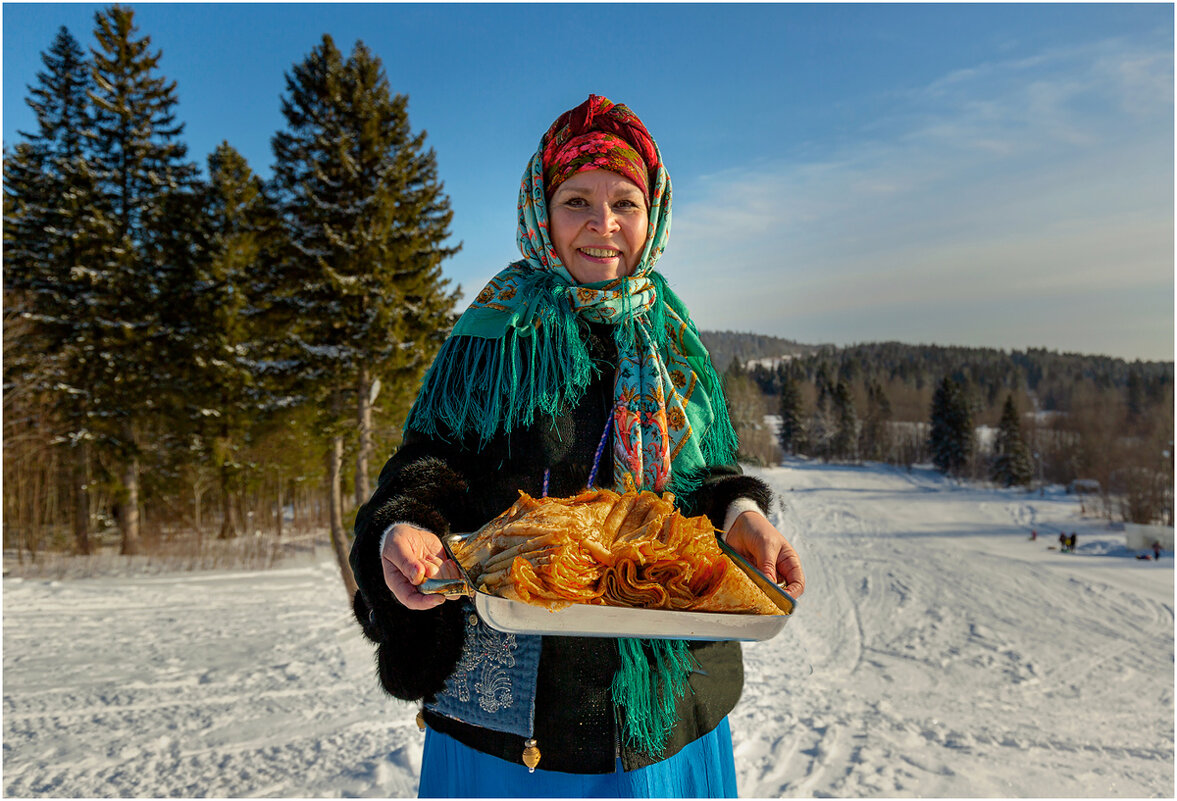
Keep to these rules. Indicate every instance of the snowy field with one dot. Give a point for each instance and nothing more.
(938, 651)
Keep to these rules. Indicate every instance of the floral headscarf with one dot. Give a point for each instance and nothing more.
(599, 135)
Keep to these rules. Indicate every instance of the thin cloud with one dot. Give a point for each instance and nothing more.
(1034, 173)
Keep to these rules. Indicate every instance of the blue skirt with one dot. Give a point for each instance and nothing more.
(703, 769)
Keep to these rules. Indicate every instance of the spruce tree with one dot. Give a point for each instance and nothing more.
(845, 440)
(822, 427)
(54, 236)
(235, 338)
(1135, 394)
(208, 315)
(792, 430)
(874, 442)
(137, 147)
(368, 221)
(951, 438)
(210, 324)
(139, 162)
(1011, 458)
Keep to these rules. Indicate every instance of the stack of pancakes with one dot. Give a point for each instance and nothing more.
(630, 549)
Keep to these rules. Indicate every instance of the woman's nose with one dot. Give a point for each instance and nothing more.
(603, 220)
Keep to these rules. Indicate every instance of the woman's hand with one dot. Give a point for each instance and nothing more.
(410, 556)
(758, 541)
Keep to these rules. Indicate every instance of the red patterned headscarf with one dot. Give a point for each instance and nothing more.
(599, 135)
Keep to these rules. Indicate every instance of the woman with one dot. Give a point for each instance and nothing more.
(574, 367)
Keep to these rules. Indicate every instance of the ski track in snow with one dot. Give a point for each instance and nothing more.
(220, 684)
(937, 651)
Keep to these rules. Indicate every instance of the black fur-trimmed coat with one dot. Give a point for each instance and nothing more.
(448, 486)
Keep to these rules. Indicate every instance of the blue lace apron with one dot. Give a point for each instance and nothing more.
(493, 686)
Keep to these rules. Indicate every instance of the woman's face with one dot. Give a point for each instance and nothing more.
(598, 222)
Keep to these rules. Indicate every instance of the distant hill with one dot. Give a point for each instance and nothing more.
(748, 347)
(908, 362)
(1053, 377)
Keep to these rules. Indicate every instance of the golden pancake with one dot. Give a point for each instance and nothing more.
(631, 549)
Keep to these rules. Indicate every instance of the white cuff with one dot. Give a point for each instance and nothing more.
(384, 536)
(737, 508)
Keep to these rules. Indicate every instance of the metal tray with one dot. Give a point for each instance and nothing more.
(583, 620)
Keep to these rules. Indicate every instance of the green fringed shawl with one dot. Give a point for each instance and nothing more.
(503, 367)
(507, 365)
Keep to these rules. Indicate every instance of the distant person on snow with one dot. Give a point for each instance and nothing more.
(1062, 542)
(1156, 550)
(1072, 541)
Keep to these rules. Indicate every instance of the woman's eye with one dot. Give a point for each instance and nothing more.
(576, 202)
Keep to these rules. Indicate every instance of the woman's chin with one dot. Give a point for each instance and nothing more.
(586, 272)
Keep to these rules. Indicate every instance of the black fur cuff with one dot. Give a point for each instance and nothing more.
(714, 497)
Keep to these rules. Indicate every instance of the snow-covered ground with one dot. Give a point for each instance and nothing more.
(938, 651)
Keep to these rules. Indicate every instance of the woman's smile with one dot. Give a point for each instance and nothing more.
(600, 254)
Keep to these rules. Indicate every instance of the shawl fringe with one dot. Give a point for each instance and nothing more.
(652, 677)
(488, 384)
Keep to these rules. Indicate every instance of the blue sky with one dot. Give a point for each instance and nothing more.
(988, 175)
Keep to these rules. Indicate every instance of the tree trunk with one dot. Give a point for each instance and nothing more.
(338, 536)
(197, 496)
(229, 517)
(281, 510)
(53, 490)
(229, 527)
(364, 451)
(129, 519)
(82, 541)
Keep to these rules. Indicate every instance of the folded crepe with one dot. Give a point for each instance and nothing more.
(600, 547)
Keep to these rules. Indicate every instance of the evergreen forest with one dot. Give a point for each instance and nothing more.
(1018, 418)
(193, 354)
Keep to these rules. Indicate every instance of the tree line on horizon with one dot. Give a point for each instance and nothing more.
(1022, 418)
(181, 350)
